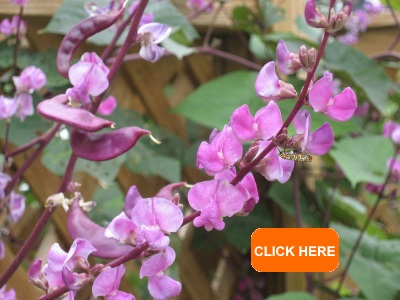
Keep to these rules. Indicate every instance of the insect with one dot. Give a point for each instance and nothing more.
(295, 156)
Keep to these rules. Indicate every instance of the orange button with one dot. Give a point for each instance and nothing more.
(295, 250)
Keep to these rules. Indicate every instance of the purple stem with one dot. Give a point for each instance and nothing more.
(17, 41)
(210, 28)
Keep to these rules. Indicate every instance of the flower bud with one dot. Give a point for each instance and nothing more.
(307, 58)
(313, 16)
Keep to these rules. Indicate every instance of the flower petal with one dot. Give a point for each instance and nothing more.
(321, 140)
(242, 123)
(108, 281)
(208, 158)
(321, 92)
(268, 120)
(158, 263)
(163, 287)
(159, 31)
(343, 107)
(267, 83)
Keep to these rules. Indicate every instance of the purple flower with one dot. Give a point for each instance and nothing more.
(25, 106)
(150, 35)
(8, 107)
(149, 220)
(222, 151)
(317, 143)
(4, 180)
(265, 124)
(391, 130)
(215, 199)
(158, 262)
(31, 79)
(107, 283)
(340, 107)
(37, 276)
(163, 287)
(288, 63)
(247, 186)
(272, 167)
(2, 250)
(88, 77)
(9, 28)
(107, 106)
(9, 295)
(70, 269)
(156, 217)
(313, 16)
(16, 206)
(268, 86)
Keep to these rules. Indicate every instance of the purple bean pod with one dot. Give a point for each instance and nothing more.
(80, 226)
(80, 33)
(79, 118)
(105, 146)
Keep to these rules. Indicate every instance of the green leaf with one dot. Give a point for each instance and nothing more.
(271, 13)
(376, 264)
(282, 194)
(292, 296)
(212, 103)
(366, 76)
(148, 162)
(258, 48)
(245, 20)
(394, 4)
(109, 203)
(165, 12)
(313, 33)
(363, 159)
(238, 229)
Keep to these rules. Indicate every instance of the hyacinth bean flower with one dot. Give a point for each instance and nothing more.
(391, 130)
(70, 269)
(107, 106)
(268, 86)
(88, 77)
(30, 79)
(393, 163)
(317, 143)
(222, 151)
(149, 220)
(215, 199)
(150, 35)
(7, 295)
(247, 186)
(8, 107)
(200, 5)
(25, 106)
(16, 206)
(273, 167)
(340, 107)
(265, 124)
(19, 2)
(9, 28)
(107, 282)
(288, 63)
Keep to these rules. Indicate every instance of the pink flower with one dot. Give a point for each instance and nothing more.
(31, 79)
(8, 107)
(317, 143)
(4, 180)
(16, 206)
(158, 262)
(391, 130)
(163, 287)
(265, 124)
(340, 107)
(222, 151)
(25, 106)
(268, 86)
(272, 167)
(9, 295)
(199, 5)
(37, 276)
(9, 28)
(313, 16)
(146, 18)
(215, 199)
(150, 35)
(88, 77)
(107, 283)
(288, 63)
(107, 106)
(247, 186)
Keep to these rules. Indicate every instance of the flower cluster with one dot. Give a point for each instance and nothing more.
(220, 156)
(149, 221)
(9, 28)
